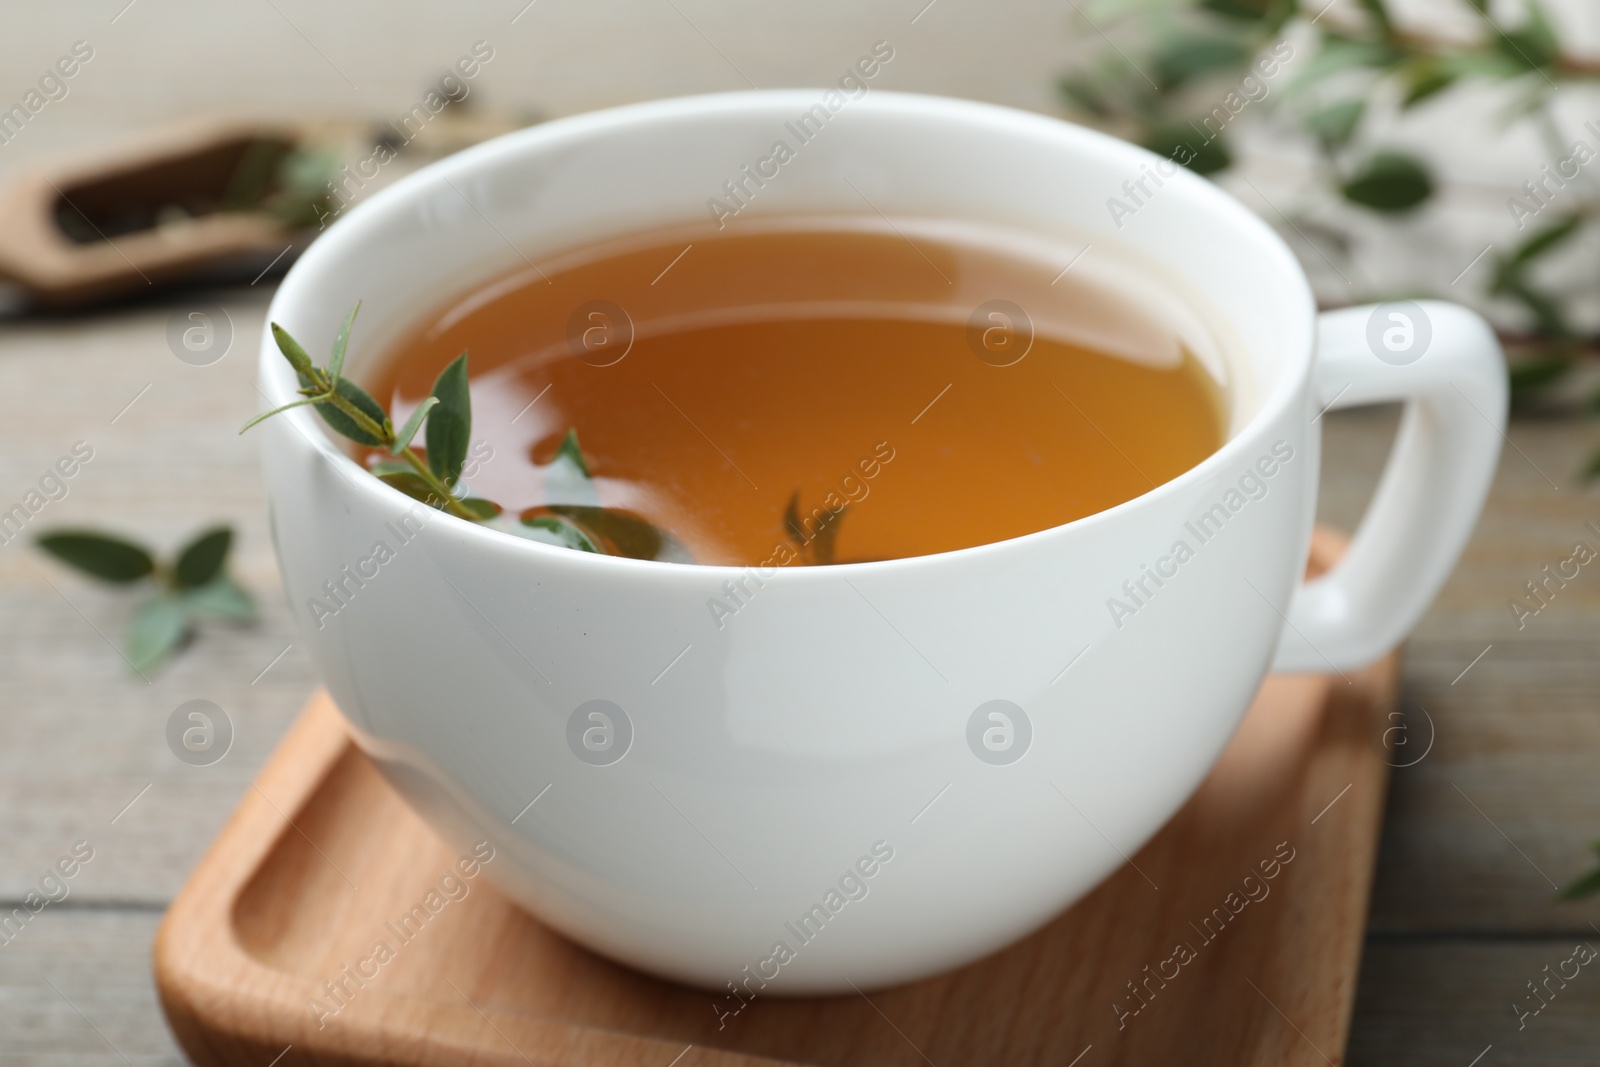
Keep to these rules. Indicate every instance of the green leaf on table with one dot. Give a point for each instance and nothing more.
(1334, 124)
(450, 423)
(1390, 182)
(1181, 143)
(105, 557)
(342, 341)
(1185, 58)
(403, 436)
(201, 559)
(158, 627)
(222, 598)
(297, 356)
(558, 530)
(344, 424)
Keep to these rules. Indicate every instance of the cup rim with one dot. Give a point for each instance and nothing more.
(344, 238)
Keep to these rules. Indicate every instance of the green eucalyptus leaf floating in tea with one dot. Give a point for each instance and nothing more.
(195, 586)
(450, 423)
(566, 477)
(558, 530)
(824, 545)
(609, 531)
(410, 484)
(574, 517)
(571, 451)
(818, 542)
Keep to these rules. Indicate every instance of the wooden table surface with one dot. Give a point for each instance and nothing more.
(1478, 834)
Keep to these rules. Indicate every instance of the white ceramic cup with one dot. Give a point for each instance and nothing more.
(827, 772)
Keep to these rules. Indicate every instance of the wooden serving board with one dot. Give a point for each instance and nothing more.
(321, 854)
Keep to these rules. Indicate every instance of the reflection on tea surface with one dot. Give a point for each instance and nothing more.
(823, 390)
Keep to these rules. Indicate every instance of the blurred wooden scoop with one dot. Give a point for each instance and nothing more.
(197, 200)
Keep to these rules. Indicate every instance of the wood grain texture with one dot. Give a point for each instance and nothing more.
(322, 854)
(1503, 808)
(83, 735)
(75, 990)
(1439, 1002)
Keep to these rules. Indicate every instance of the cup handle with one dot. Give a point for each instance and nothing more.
(1444, 362)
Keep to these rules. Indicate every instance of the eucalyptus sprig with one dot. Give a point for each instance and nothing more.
(352, 411)
(194, 587)
(572, 516)
(1168, 84)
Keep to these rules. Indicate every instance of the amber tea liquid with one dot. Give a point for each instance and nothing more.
(913, 387)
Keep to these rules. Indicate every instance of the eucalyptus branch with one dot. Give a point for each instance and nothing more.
(385, 434)
(574, 517)
(192, 588)
(1228, 47)
(326, 388)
